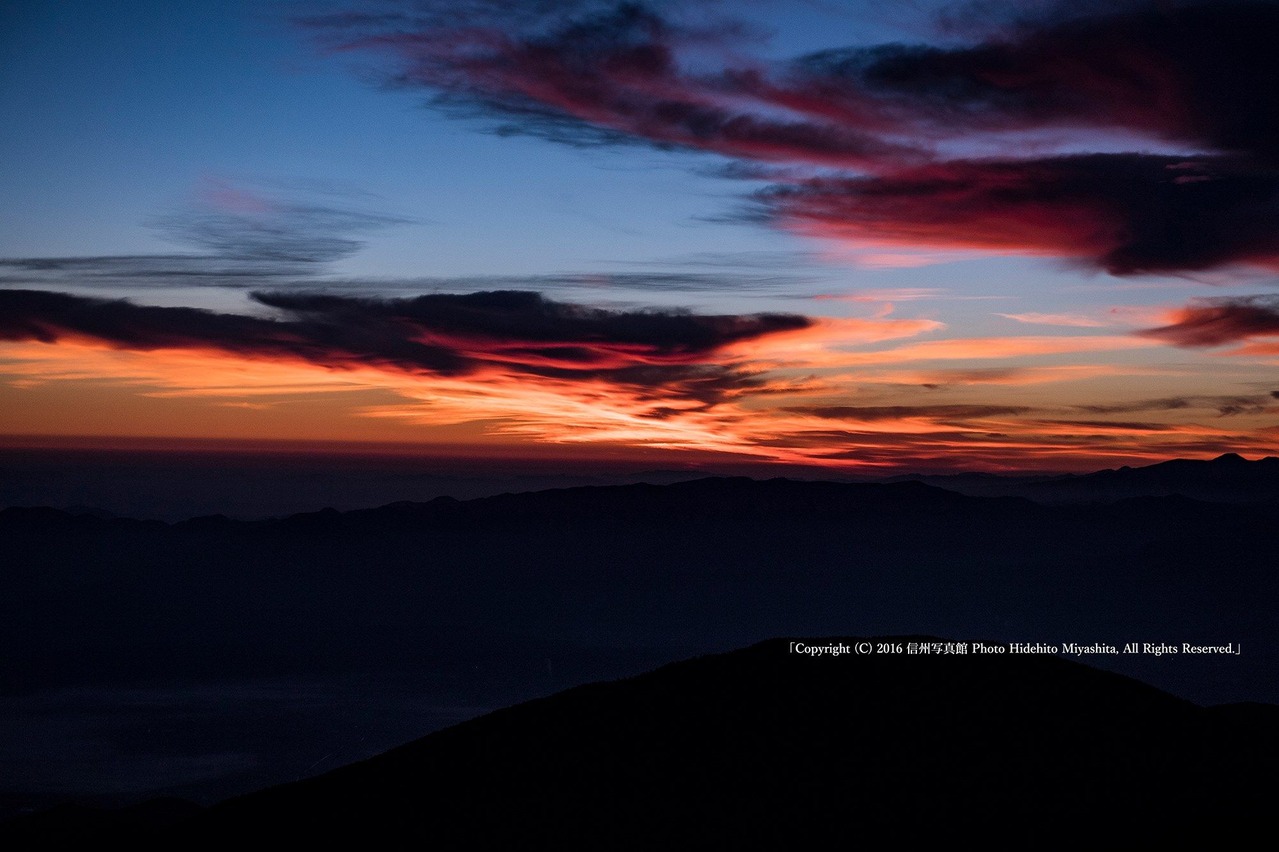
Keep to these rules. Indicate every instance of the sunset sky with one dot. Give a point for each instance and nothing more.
(870, 236)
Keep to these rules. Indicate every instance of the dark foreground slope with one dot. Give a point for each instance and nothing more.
(764, 748)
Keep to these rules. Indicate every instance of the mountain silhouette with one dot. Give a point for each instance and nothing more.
(766, 748)
(209, 657)
(1229, 478)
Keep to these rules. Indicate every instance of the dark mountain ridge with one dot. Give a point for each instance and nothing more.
(242, 635)
(173, 486)
(765, 748)
(1229, 478)
(716, 558)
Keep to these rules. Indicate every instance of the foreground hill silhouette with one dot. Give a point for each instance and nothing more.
(764, 748)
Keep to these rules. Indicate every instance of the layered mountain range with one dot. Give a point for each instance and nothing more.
(210, 657)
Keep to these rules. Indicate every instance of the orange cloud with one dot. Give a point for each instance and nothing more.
(789, 394)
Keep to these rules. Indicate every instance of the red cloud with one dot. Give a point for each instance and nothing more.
(1220, 322)
(1196, 74)
(1128, 213)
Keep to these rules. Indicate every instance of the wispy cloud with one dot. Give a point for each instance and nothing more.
(1069, 320)
(596, 73)
(238, 223)
(239, 236)
(1019, 375)
(897, 294)
(932, 147)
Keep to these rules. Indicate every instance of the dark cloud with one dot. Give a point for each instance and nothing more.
(981, 375)
(537, 321)
(1171, 403)
(49, 317)
(1125, 425)
(1221, 321)
(893, 119)
(1205, 74)
(1126, 213)
(871, 413)
(669, 353)
(1229, 409)
(1224, 405)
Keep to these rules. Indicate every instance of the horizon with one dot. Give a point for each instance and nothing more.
(513, 461)
(175, 484)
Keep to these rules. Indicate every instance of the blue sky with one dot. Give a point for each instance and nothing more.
(148, 129)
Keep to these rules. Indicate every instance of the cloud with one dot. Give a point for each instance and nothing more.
(1109, 425)
(985, 348)
(870, 413)
(1014, 375)
(1125, 213)
(647, 282)
(1027, 445)
(932, 147)
(147, 271)
(1226, 406)
(499, 368)
(1220, 321)
(231, 222)
(1196, 73)
(1070, 320)
(162, 271)
(896, 294)
(667, 353)
(242, 235)
(591, 74)
(585, 334)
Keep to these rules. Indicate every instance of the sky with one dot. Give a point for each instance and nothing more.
(863, 236)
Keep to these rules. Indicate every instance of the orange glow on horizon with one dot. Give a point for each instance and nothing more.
(761, 415)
